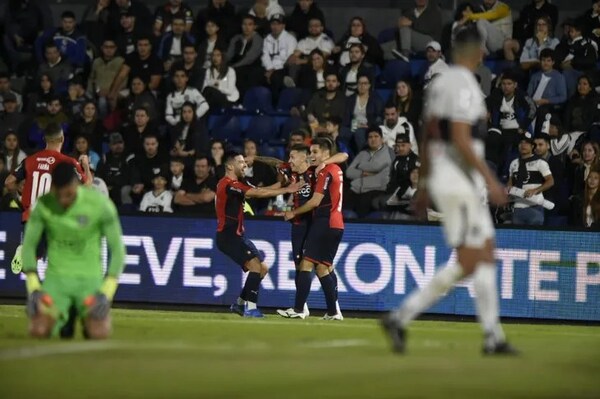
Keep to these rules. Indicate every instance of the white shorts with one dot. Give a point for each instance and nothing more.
(466, 219)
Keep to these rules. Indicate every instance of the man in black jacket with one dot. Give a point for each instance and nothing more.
(357, 67)
(582, 56)
(143, 168)
(304, 11)
(327, 102)
(113, 168)
(244, 54)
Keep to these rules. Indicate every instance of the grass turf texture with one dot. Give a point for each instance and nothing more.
(166, 354)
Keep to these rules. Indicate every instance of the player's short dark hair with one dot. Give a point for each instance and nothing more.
(63, 175)
(53, 130)
(230, 156)
(68, 14)
(467, 37)
(334, 120)
(301, 148)
(547, 53)
(324, 143)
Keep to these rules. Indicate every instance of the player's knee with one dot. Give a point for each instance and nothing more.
(322, 270)
(97, 328)
(306, 266)
(41, 325)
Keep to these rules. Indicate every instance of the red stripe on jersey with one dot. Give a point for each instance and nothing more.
(230, 200)
(330, 183)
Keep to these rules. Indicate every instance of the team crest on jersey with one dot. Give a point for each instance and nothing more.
(83, 220)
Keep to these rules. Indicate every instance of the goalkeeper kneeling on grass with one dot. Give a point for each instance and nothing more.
(74, 219)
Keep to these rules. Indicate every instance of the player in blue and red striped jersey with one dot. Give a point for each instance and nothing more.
(230, 200)
(326, 229)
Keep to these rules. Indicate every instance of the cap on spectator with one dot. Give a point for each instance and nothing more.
(434, 45)
(402, 138)
(115, 138)
(10, 96)
(277, 18)
(527, 137)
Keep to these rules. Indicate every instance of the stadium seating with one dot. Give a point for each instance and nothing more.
(261, 129)
(292, 97)
(259, 100)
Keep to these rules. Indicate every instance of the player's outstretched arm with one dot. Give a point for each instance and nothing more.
(338, 158)
(311, 204)
(263, 192)
(269, 161)
(111, 229)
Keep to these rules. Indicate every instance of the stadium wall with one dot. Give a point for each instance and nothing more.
(543, 274)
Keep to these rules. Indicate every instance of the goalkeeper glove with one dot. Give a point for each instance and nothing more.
(38, 301)
(98, 306)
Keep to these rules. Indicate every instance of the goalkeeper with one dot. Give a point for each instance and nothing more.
(74, 219)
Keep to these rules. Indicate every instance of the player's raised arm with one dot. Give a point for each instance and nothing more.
(265, 192)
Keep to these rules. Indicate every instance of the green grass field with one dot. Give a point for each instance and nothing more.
(167, 354)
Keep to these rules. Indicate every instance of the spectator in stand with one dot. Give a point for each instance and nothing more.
(76, 97)
(182, 94)
(299, 136)
(332, 129)
(369, 173)
(223, 13)
(220, 88)
(461, 20)
(24, 22)
(173, 42)
(11, 119)
(494, 23)
(115, 170)
(214, 39)
(316, 40)
(277, 48)
(356, 67)
(511, 112)
(189, 135)
(435, 59)
(299, 20)
(142, 14)
(363, 109)
(142, 64)
(418, 26)
(217, 151)
(258, 174)
(143, 167)
(262, 11)
(325, 103)
(165, 15)
(526, 26)
(562, 143)
(128, 33)
(556, 193)
(582, 57)
(139, 96)
(588, 161)
(394, 125)
(357, 34)
(88, 124)
(589, 214)
(244, 54)
(71, 42)
(177, 169)
(312, 75)
(197, 194)
(583, 108)
(37, 101)
(407, 104)
(82, 147)
(104, 70)
(95, 20)
(160, 199)
(6, 89)
(591, 22)
(542, 39)
(135, 133)
(533, 175)
(13, 154)
(54, 115)
(59, 69)
(192, 66)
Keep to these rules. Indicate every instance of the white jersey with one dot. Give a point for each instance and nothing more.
(157, 203)
(176, 99)
(322, 42)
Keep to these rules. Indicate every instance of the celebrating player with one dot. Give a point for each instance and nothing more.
(325, 231)
(231, 195)
(454, 172)
(36, 170)
(74, 219)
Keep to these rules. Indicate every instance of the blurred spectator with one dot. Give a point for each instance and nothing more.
(129, 31)
(54, 114)
(223, 13)
(369, 173)
(189, 135)
(10, 118)
(173, 42)
(363, 109)
(525, 27)
(591, 22)
(142, 14)
(98, 183)
(6, 89)
(95, 22)
(316, 40)
(135, 133)
(217, 151)
(435, 59)
(244, 53)
(192, 66)
(299, 136)
(71, 42)
(483, 74)
(56, 67)
(327, 102)
(588, 161)
(407, 104)
(88, 124)
(562, 143)
(557, 168)
(589, 215)
(542, 39)
(166, 14)
(160, 199)
(37, 101)
(418, 26)
(114, 169)
(533, 175)
(262, 11)
(357, 33)
(332, 128)
(257, 173)
(395, 126)
(82, 147)
(582, 109)
(312, 75)
(299, 20)
(76, 97)
(13, 154)
(356, 67)
(214, 39)
(24, 21)
(277, 48)
(181, 94)
(581, 58)
(177, 168)
(547, 87)
(494, 23)
(220, 88)
(197, 194)
(143, 168)
(461, 20)
(104, 70)
(139, 96)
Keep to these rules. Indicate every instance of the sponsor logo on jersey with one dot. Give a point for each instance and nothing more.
(48, 160)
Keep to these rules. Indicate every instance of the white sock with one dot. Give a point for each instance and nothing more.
(486, 300)
(421, 300)
(305, 310)
(250, 305)
(240, 301)
(337, 307)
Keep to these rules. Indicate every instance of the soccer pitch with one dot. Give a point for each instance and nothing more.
(168, 354)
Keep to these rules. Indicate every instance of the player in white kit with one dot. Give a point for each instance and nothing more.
(454, 173)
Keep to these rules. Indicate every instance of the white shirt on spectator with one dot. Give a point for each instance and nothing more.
(402, 127)
(226, 85)
(99, 185)
(157, 203)
(276, 51)
(434, 69)
(537, 170)
(322, 42)
(176, 99)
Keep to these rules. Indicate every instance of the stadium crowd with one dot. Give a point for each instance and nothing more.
(155, 99)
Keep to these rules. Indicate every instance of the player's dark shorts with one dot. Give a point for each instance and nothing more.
(322, 242)
(238, 248)
(299, 236)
